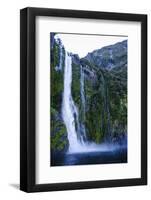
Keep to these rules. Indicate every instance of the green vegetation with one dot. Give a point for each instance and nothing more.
(59, 141)
(76, 84)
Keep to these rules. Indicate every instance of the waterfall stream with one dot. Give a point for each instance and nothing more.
(69, 110)
(59, 66)
(70, 114)
(82, 93)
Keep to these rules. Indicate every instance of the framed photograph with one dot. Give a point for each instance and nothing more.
(83, 99)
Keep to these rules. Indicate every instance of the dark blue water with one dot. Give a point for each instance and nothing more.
(108, 157)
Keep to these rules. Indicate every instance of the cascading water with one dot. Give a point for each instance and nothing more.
(60, 61)
(110, 64)
(59, 66)
(83, 103)
(69, 110)
(71, 116)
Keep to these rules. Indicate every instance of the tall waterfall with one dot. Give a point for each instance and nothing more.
(82, 93)
(70, 114)
(69, 110)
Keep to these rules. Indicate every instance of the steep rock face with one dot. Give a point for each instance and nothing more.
(105, 92)
(99, 91)
(59, 140)
(109, 57)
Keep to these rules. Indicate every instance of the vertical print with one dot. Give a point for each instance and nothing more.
(88, 102)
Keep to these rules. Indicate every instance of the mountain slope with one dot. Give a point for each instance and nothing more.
(109, 57)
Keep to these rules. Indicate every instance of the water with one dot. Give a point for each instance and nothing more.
(70, 114)
(118, 155)
(82, 93)
(82, 89)
(59, 67)
(110, 64)
(69, 110)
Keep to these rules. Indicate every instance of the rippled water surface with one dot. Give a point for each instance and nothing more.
(103, 157)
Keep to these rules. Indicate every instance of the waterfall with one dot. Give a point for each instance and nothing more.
(110, 63)
(59, 66)
(70, 114)
(60, 58)
(82, 93)
(69, 110)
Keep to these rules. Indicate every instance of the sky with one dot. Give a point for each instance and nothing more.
(82, 44)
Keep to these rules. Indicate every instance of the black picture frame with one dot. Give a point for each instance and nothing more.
(28, 98)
